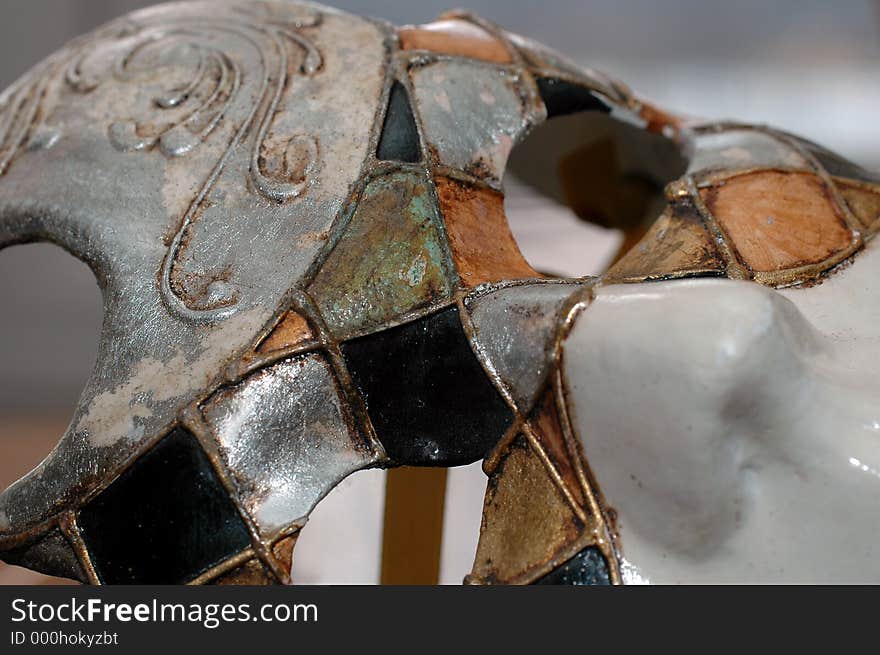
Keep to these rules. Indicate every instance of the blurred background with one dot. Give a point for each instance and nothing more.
(809, 66)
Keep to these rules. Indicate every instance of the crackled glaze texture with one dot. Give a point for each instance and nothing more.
(297, 220)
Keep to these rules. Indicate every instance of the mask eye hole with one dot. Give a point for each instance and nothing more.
(49, 326)
(583, 187)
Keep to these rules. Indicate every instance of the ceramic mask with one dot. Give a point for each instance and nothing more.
(296, 218)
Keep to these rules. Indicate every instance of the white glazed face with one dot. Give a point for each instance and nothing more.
(736, 429)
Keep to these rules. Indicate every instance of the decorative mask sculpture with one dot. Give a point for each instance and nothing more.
(297, 222)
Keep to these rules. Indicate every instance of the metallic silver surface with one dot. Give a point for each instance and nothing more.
(206, 145)
(515, 330)
(493, 101)
(742, 149)
(287, 438)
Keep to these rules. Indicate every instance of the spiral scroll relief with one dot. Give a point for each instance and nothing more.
(191, 81)
(215, 90)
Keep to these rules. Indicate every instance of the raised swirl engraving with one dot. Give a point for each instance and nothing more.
(19, 111)
(216, 71)
(212, 92)
(236, 64)
(22, 105)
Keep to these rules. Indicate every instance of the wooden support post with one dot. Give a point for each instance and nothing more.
(413, 530)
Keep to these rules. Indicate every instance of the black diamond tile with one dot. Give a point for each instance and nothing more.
(165, 520)
(561, 98)
(400, 138)
(429, 399)
(587, 568)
